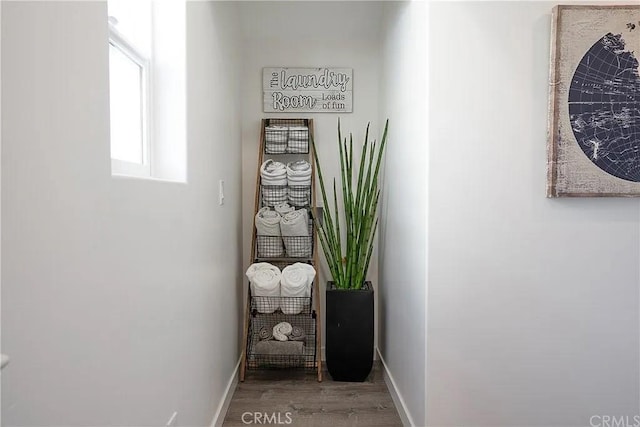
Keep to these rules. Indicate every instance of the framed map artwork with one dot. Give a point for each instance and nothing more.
(593, 142)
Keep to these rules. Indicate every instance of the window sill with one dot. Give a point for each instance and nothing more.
(125, 177)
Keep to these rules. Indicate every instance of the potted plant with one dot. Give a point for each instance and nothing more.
(346, 234)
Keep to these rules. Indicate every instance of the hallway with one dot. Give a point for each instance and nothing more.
(298, 397)
(124, 298)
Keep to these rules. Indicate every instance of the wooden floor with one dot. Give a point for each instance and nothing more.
(298, 399)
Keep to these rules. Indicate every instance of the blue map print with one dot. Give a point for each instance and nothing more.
(604, 107)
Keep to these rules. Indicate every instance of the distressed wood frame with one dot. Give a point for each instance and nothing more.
(560, 140)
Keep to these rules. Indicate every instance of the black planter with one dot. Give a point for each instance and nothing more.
(349, 344)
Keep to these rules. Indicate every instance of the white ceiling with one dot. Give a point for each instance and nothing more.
(296, 21)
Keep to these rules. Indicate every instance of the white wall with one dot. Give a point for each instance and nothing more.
(403, 233)
(0, 206)
(120, 297)
(533, 302)
(309, 34)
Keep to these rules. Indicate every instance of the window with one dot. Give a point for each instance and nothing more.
(129, 109)
(130, 88)
(147, 79)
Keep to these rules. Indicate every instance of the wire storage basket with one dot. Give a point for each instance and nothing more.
(276, 134)
(273, 195)
(282, 305)
(299, 246)
(297, 352)
(282, 136)
(269, 246)
(270, 345)
(299, 195)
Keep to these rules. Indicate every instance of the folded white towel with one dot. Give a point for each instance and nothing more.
(284, 208)
(265, 280)
(296, 284)
(297, 147)
(268, 222)
(276, 138)
(269, 242)
(275, 133)
(298, 133)
(294, 227)
(298, 139)
(294, 146)
(281, 330)
(302, 137)
(272, 128)
(277, 148)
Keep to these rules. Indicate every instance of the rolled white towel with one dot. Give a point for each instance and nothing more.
(295, 223)
(298, 178)
(281, 330)
(284, 208)
(296, 280)
(295, 287)
(273, 173)
(273, 181)
(282, 181)
(298, 168)
(265, 280)
(272, 168)
(299, 173)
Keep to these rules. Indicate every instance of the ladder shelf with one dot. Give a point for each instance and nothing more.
(284, 140)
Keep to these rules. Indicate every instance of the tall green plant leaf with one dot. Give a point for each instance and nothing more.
(349, 259)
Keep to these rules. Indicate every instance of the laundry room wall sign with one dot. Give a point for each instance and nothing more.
(318, 90)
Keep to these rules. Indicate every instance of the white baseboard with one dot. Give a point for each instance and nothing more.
(221, 412)
(407, 421)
